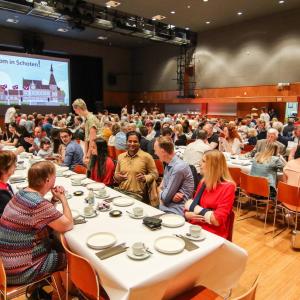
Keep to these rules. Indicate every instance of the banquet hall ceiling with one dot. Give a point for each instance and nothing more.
(194, 15)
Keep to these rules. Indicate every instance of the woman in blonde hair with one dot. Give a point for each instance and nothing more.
(266, 164)
(213, 201)
(180, 138)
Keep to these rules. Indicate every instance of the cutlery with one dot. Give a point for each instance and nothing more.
(147, 250)
(188, 244)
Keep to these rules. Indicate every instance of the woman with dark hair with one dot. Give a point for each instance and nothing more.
(101, 166)
(231, 140)
(157, 128)
(13, 136)
(8, 161)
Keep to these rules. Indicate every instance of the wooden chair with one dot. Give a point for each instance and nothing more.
(201, 293)
(230, 225)
(12, 292)
(111, 152)
(256, 189)
(288, 199)
(79, 169)
(118, 152)
(160, 167)
(81, 274)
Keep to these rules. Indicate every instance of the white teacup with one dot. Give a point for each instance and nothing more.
(138, 249)
(195, 231)
(137, 211)
(102, 192)
(76, 181)
(88, 210)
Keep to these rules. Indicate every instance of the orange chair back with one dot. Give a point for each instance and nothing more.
(236, 175)
(159, 166)
(118, 152)
(247, 148)
(230, 226)
(258, 186)
(79, 169)
(2, 279)
(81, 273)
(249, 295)
(243, 181)
(111, 152)
(288, 194)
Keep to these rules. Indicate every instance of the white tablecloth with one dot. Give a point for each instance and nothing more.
(217, 264)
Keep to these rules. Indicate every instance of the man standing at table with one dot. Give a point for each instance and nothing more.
(177, 185)
(92, 126)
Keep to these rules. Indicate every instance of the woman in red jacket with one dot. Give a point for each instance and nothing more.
(212, 205)
(101, 166)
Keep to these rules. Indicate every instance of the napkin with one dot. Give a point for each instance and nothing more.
(189, 245)
(111, 251)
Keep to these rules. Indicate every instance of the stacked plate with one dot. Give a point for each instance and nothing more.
(123, 201)
(17, 178)
(77, 179)
(95, 186)
(60, 170)
(101, 240)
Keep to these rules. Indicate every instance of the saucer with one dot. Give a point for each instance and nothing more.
(130, 254)
(197, 239)
(101, 197)
(90, 216)
(73, 183)
(131, 215)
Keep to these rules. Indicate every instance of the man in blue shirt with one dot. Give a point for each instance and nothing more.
(178, 184)
(74, 152)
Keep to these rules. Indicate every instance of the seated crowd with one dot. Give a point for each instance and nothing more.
(195, 183)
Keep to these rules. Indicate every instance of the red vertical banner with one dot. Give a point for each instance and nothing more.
(298, 100)
(204, 108)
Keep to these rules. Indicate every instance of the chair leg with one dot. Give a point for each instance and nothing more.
(56, 286)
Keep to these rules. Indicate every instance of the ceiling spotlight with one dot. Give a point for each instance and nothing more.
(281, 1)
(205, 0)
(188, 6)
(173, 12)
(207, 22)
(239, 13)
(63, 29)
(12, 20)
(187, 28)
(102, 38)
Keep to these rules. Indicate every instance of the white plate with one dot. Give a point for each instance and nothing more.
(95, 186)
(75, 214)
(87, 181)
(62, 168)
(78, 176)
(101, 240)
(17, 178)
(197, 239)
(123, 201)
(172, 220)
(21, 186)
(75, 184)
(130, 254)
(69, 173)
(169, 244)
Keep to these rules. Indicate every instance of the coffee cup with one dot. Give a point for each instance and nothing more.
(101, 192)
(138, 249)
(137, 211)
(195, 231)
(88, 210)
(76, 181)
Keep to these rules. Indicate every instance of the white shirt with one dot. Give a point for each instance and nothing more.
(194, 152)
(10, 115)
(265, 117)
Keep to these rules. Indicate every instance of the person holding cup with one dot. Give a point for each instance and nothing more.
(26, 247)
(212, 205)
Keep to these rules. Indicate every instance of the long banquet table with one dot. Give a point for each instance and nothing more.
(217, 264)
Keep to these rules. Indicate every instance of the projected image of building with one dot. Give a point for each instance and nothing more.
(34, 92)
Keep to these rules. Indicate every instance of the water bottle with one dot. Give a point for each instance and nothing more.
(91, 198)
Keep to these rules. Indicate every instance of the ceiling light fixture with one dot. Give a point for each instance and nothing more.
(158, 18)
(188, 6)
(112, 4)
(11, 20)
(281, 2)
(187, 28)
(239, 13)
(205, 0)
(207, 22)
(63, 29)
(172, 12)
(102, 38)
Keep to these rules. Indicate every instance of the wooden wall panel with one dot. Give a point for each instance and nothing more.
(115, 99)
